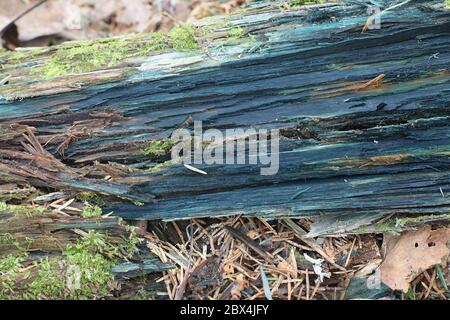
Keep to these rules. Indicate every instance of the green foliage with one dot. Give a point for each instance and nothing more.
(96, 279)
(156, 42)
(81, 272)
(183, 38)
(83, 266)
(402, 221)
(410, 294)
(236, 33)
(160, 166)
(9, 269)
(158, 148)
(14, 209)
(49, 282)
(87, 56)
(8, 239)
(91, 212)
(447, 4)
(11, 59)
(299, 3)
(91, 198)
(90, 55)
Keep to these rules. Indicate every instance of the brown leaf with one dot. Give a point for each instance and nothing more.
(411, 253)
(206, 275)
(238, 286)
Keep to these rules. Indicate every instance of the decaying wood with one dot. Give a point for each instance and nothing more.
(364, 117)
(50, 232)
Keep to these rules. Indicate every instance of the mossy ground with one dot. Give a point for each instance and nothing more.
(82, 271)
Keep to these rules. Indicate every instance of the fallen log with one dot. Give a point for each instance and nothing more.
(363, 114)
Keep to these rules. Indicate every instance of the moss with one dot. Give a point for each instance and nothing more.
(49, 282)
(83, 272)
(183, 38)
(299, 3)
(143, 294)
(447, 4)
(18, 195)
(158, 148)
(387, 226)
(236, 33)
(156, 42)
(8, 239)
(12, 59)
(9, 270)
(131, 243)
(95, 278)
(420, 219)
(6, 177)
(160, 166)
(92, 198)
(15, 209)
(88, 56)
(85, 57)
(396, 225)
(91, 212)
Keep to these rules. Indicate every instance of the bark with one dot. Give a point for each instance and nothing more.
(364, 116)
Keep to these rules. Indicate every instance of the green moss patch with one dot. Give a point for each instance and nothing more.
(299, 3)
(158, 148)
(183, 38)
(85, 57)
(91, 212)
(16, 209)
(82, 271)
(88, 56)
(236, 33)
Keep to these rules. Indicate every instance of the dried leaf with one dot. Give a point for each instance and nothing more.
(411, 253)
(206, 275)
(238, 286)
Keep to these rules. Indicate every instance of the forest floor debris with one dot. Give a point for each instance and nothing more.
(222, 258)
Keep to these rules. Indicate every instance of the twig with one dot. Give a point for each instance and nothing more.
(21, 15)
(248, 242)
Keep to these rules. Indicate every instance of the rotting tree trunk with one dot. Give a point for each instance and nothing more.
(46, 232)
(364, 116)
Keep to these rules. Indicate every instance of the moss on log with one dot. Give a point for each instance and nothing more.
(363, 114)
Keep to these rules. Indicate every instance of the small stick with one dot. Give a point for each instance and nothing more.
(21, 15)
(248, 242)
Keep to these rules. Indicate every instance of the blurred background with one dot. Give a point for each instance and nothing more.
(54, 21)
